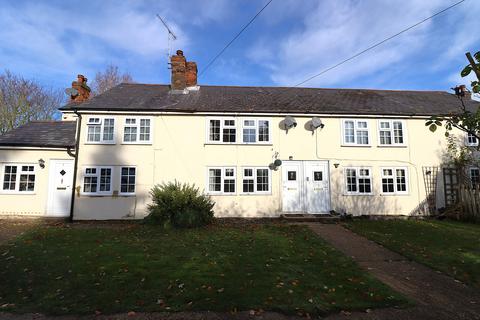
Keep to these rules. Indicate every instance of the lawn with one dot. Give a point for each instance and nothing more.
(85, 269)
(451, 247)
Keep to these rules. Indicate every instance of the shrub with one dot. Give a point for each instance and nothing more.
(179, 205)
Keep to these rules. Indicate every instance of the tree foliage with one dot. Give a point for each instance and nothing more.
(23, 100)
(465, 120)
(109, 78)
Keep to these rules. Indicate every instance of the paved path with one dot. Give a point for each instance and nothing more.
(436, 296)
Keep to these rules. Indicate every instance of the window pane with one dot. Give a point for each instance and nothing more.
(144, 129)
(401, 180)
(27, 182)
(317, 176)
(292, 175)
(263, 131)
(229, 135)
(10, 178)
(398, 132)
(387, 185)
(93, 133)
(105, 179)
(351, 175)
(108, 125)
(90, 184)
(262, 180)
(364, 185)
(249, 135)
(362, 137)
(385, 137)
(127, 180)
(349, 132)
(214, 130)
(215, 180)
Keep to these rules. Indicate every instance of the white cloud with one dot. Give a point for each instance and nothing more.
(335, 30)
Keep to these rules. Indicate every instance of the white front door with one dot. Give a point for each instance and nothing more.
(60, 185)
(306, 186)
(292, 186)
(317, 189)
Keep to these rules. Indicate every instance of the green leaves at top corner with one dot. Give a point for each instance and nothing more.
(466, 71)
(477, 56)
(433, 127)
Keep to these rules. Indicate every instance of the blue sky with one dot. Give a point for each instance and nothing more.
(52, 41)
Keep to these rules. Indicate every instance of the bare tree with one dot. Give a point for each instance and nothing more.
(23, 100)
(108, 79)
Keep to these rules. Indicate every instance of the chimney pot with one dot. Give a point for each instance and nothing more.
(184, 74)
(83, 90)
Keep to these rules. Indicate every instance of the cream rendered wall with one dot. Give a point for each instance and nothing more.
(179, 152)
(28, 204)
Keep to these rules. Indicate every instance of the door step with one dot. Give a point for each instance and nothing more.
(307, 217)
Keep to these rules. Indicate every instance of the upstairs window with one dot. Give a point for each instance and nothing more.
(356, 132)
(391, 132)
(221, 180)
(231, 130)
(358, 180)
(222, 130)
(19, 178)
(137, 130)
(256, 131)
(100, 130)
(471, 140)
(394, 180)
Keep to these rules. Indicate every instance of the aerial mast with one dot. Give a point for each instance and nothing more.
(171, 36)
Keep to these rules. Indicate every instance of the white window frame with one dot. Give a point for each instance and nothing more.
(254, 178)
(355, 131)
(256, 126)
(357, 182)
(222, 127)
(471, 140)
(392, 132)
(101, 123)
(120, 181)
(394, 177)
(470, 169)
(17, 178)
(222, 180)
(97, 175)
(137, 125)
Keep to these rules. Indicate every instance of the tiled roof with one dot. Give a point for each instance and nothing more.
(41, 134)
(145, 97)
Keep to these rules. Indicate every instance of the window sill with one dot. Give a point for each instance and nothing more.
(29, 193)
(394, 194)
(237, 144)
(392, 146)
(357, 145)
(137, 143)
(101, 143)
(96, 195)
(255, 194)
(359, 194)
(221, 194)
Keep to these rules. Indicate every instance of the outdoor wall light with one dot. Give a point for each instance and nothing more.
(41, 163)
(290, 158)
(336, 165)
(277, 163)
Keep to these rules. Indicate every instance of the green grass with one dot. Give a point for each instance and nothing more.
(142, 268)
(451, 247)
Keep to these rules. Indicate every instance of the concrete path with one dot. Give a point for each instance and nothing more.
(436, 296)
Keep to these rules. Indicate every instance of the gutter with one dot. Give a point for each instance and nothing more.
(77, 149)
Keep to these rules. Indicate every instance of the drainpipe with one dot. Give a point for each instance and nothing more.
(77, 147)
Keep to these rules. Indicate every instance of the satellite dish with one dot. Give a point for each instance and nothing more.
(71, 92)
(316, 123)
(290, 122)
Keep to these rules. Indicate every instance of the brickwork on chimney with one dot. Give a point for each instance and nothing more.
(184, 74)
(83, 90)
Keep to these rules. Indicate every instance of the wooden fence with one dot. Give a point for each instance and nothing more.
(469, 202)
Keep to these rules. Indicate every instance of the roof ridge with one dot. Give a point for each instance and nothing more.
(286, 88)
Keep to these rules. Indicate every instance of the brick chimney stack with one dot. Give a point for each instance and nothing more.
(82, 90)
(184, 74)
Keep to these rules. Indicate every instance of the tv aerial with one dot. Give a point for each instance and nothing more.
(71, 92)
(171, 36)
